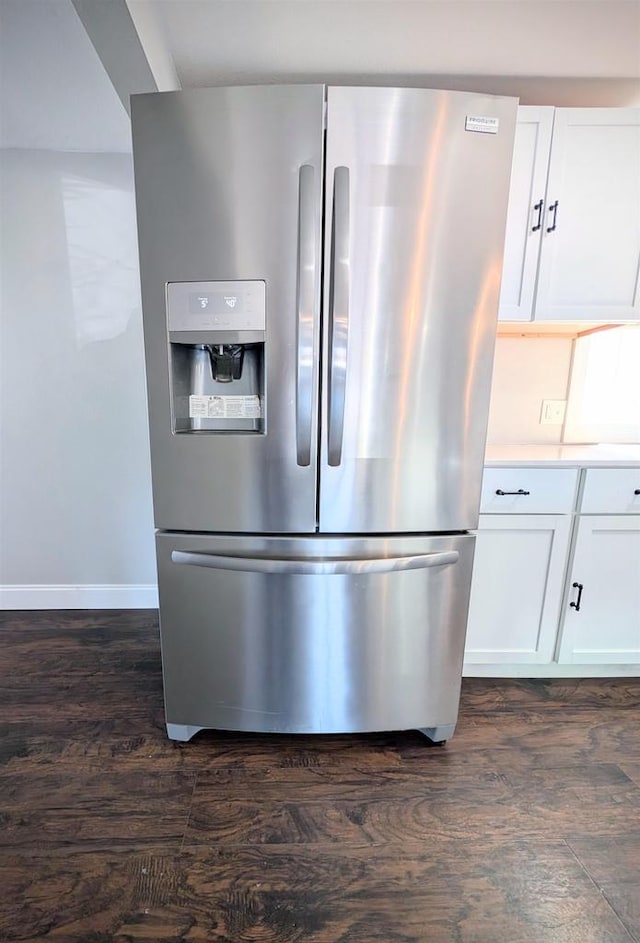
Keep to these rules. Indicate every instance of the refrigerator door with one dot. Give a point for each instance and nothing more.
(415, 202)
(229, 188)
(312, 634)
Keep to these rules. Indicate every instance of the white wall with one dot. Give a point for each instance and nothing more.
(75, 515)
(76, 525)
(214, 41)
(526, 371)
(54, 91)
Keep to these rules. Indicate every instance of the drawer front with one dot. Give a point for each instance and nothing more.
(259, 633)
(528, 490)
(611, 491)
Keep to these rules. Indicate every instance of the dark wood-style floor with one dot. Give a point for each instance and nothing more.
(525, 828)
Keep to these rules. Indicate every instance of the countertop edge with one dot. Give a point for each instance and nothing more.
(561, 463)
(563, 456)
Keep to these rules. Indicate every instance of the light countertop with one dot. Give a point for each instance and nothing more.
(584, 456)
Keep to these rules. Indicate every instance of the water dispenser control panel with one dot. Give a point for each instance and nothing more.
(216, 306)
(217, 356)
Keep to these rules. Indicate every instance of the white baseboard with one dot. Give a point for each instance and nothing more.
(553, 670)
(101, 596)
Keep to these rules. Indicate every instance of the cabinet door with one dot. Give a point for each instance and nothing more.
(516, 591)
(606, 627)
(590, 237)
(525, 212)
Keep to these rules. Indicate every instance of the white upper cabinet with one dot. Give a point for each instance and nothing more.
(590, 252)
(526, 212)
(574, 217)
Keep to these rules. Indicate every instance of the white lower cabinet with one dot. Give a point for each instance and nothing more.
(605, 579)
(517, 588)
(556, 577)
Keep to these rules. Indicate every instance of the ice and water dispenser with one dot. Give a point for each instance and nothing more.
(217, 356)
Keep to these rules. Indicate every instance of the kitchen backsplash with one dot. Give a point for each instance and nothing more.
(526, 371)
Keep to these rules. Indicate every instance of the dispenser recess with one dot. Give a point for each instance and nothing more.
(217, 336)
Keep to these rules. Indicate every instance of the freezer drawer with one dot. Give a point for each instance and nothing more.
(313, 634)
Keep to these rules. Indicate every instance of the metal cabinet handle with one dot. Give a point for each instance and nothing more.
(313, 566)
(519, 491)
(338, 313)
(306, 301)
(553, 209)
(576, 605)
(538, 206)
(637, 491)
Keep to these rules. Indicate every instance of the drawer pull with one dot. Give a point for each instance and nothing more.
(519, 491)
(576, 605)
(637, 491)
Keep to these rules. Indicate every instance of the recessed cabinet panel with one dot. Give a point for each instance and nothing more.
(602, 611)
(526, 212)
(590, 252)
(517, 588)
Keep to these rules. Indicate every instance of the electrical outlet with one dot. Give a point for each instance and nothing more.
(552, 413)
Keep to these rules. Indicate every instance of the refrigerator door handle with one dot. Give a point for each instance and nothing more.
(306, 293)
(338, 313)
(314, 566)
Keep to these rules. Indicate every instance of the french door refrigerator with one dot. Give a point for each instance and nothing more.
(320, 273)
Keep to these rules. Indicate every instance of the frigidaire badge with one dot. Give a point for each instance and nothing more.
(482, 124)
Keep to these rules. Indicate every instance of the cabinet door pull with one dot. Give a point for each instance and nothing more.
(637, 491)
(538, 206)
(553, 209)
(576, 605)
(519, 491)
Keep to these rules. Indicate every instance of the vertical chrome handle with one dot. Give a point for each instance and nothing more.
(538, 224)
(306, 301)
(338, 313)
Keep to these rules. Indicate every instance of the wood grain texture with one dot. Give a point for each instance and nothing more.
(632, 770)
(521, 892)
(471, 804)
(524, 828)
(614, 866)
(99, 809)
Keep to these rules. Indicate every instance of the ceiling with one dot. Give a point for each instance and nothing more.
(217, 41)
(55, 92)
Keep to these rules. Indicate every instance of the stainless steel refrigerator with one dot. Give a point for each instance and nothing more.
(320, 273)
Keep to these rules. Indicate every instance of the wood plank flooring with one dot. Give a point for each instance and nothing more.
(525, 828)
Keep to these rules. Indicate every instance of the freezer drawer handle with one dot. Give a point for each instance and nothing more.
(519, 491)
(306, 303)
(576, 605)
(328, 566)
(338, 313)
